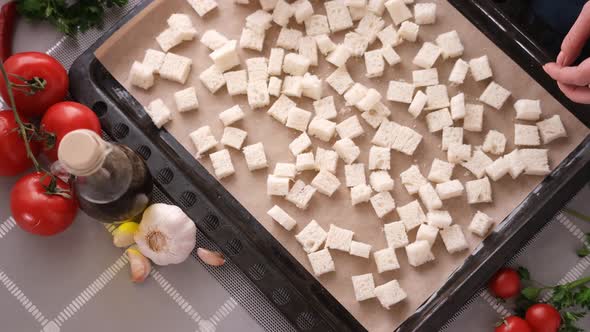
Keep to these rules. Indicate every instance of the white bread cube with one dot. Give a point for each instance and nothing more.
(473, 120)
(495, 95)
(282, 218)
(326, 183)
(438, 97)
(494, 143)
(425, 77)
(439, 219)
(325, 108)
(252, 39)
(454, 239)
(376, 6)
(401, 92)
(440, 171)
(390, 294)
(383, 203)
(305, 161)
(459, 153)
(411, 215)
(231, 115)
(222, 164)
(282, 12)
(527, 109)
(158, 112)
(226, 57)
(268, 5)
(427, 55)
(303, 10)
(526, 135)
(360, 194)
(339, 55)
(364, 287)
(326, 160)
(459, 72)
(325, 44)
(412, 179)
(255, 156)
(300, 144)
(258, 95)
(389, 36)
(429, 197)
(374, 117)
(154, 59)
(369, 101)
(350, 128)
(202, 7)
(213, 39)
(360, 249)
(419, 253)
(309, 49)
(300, 195)
(427, 233)
(438, 120)
(480, 68)
(398, 11)
(386, 260)
(450, 44)
(390, 55)
(340, 80)
(481, 224)
(386, 134)
(458, 106)
(322, 129)
(354, 174)
(274, 86)
(406, 141)
(479, 191)
(311, 86)
(425, 13)
(293, 86)
(285, 170)
(449, 189)
(257, 69)
(339, 238)
(451, 135)
(356, 43)
(317, 25)
(346, 150)
(395, 234)
(321, 262)
(237, 82)
(175, 68)
(289, 39)
(203, 140)
(277, 186)
(374, 63)
(355, 94)
(418, 104)
(141, 75)
(381, 181)
(233, 137)
(379, 158)
(275, 61)
(170, 38)
(536, 161)
(212, 78)
(298, 119)
(369, 25)
(259, 20)
(357, 13)
(551, 129)
(516, 166)
(338, 16)
(408, 31)
(183, 23)
(280, 108)
(295, 64)
(478, 163)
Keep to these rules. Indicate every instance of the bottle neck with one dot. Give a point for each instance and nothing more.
(82, 152)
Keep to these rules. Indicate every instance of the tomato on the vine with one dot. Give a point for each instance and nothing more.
(513, 324)
(505, 283)
(12, 147)
(63, 118)
(38, 80)
(543, 317)
(40, 205)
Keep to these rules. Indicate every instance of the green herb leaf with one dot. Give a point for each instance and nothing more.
(524, 273)
(531, 293)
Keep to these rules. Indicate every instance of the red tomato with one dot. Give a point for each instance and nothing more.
(13, 154)
(40, 213)
(505, 283)
(513, 324)
(543, 317)
(65, 117)
(35, 65)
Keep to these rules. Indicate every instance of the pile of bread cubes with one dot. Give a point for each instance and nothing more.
(291, 58)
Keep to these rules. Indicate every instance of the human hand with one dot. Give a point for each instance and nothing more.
(573, 81)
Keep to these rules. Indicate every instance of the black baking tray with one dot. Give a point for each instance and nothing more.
(288, 285)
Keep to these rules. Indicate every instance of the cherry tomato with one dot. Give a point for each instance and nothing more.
(513, 324)
(65, 117)
(40, 213)
(505, 283)
(48, 75)
(543, 317)
(13, 154)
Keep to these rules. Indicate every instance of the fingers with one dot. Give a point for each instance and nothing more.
(578, 75)
(578, 94)
(576, 38)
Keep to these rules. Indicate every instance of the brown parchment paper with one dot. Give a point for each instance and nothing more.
(130, 42)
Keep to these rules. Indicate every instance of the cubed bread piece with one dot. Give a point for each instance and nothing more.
(186, 100)
(481, 224)
(495, 95)
(277, 186)
(406, 141)
(213, 39)
(551, 129)
(170, 38)
(202, 7)
(527, 109)
(357, 13)
(309, 49)
(233, 137)
(311, 86)
(305, 162)
(386, 134)
(418, 104)
(275, 61)
(411, 215)
(390, 293)
(312, 236)
(354, 174)
(427, 233)
(368, 102)
(298, 119)
(356, 43)
(425, 13)
(386, 260)
(369, 25)
(289, 39)
(451, 135)
(326, 183)
(282, 12)
(479, 191)
(360, 194)
(300, 144)
(458, 153)
(282, 218)
(440, 171)
(395, 234)
(408, 31)
(340, 80)
(268, 5)
(275, 85)
(203, 139)
(321, 262)
(212, 78)
(439, 219)
(449, 189)
(258, 95)
(257, 69)
(425, 77)
(293, 86)
(280, 109)
(285, 170)
(237, 82)
(317, 25)
(382, 203)
(419, 253)
(494, 143)
(398, 11)
(255, 156)
(326, 160)
(374, 63)
(516, 166)
(226, 57)
(322, 129)
(438, 97)
(381, 181)
(141, 75)
(526, 135)
(252, 39)
(429, 197)
(412, 179)
(339, 55)
(158, 112)
(389, 36)
(153, 59)
(325, 108)
(427, 55)
(347, 150)
(473, 120)
(376, 6)
(379, 158)
(480, 68)
(338, 16)
(222, 164)
(350, 128)
(175, 68)
(360, 249)
(300, 195)
(339, 238)
(454, 239)
(438, 120)
(259, 20)
(459, 72)
(303, 10)
(325, 44)
(458, 106)
(401, 92)
(536, 161)
(390, 55)
(295, 64)
(478, 163)
(231, 115)
(450, 44)
(355, 94)
(364, 287)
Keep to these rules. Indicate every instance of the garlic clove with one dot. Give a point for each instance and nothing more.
(123, 235)
(209, 257)
(139, 264)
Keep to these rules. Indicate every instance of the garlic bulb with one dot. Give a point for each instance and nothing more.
(166, 234)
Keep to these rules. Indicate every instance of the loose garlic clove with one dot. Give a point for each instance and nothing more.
(212, 258)
(123, 235)
(140, 265)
